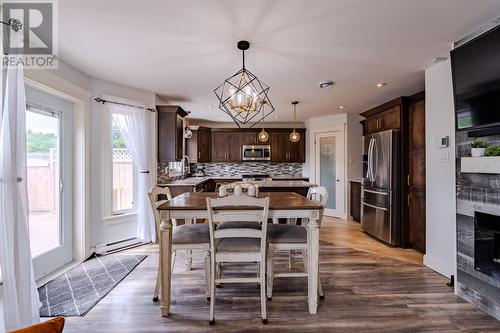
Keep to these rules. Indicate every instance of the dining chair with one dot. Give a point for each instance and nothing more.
(289, 237)
(245, 241)
(187, 237)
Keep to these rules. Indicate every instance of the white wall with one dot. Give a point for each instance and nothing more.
(353, 132)
(440, 171)
(72, 82)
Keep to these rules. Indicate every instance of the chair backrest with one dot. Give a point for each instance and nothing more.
(318, 193)
(154, 195)
(238, 208)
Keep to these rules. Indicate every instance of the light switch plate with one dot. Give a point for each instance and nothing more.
(444, 155)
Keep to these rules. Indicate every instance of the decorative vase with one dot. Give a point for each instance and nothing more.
(477, 152)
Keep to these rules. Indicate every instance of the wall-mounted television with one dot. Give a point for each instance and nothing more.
(476, 82)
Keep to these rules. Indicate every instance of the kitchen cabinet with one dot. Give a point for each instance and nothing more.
(283, 150)
(385, 117)
(226, 146)
(407, 114)
(356, 200)
(199, 146)
(416, 172)
(250, 138)
(170, 133)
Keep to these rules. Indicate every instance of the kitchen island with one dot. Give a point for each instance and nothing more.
(209, 184)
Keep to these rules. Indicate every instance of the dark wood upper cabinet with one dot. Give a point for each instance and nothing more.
(250, 138)
(283, 150)
(385, 117)
(226, 146)
(199, 147)
(170, 132)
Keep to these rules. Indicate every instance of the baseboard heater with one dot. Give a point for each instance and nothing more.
(113, 247)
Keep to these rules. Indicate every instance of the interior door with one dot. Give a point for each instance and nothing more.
(49, 175)
(329, 157)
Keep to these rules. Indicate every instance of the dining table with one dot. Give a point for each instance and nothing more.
(193, 205)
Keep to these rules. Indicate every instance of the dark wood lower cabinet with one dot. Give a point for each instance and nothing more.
(416, 172)
(417, 219)
(356, 201)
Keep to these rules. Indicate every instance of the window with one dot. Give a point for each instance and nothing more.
(123, 174)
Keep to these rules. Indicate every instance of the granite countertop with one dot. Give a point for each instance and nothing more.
(281, 183)
(276, 182)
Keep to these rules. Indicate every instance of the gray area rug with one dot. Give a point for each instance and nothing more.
(78, 290)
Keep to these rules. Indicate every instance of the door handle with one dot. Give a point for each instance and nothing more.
(376, 207)
(199, 154)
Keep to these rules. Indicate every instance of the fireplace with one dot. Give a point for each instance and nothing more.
(487, 244)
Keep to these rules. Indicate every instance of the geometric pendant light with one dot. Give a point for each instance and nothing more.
(243, 96)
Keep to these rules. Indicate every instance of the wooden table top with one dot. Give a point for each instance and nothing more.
(277, 200)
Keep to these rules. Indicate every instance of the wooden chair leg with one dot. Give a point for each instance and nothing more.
(158, 282)
(207, 273)
(174, 254)
(213, 272)
(262, 266)
(270, 273)
(320, 289)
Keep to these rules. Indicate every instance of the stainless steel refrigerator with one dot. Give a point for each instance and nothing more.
(381, 186)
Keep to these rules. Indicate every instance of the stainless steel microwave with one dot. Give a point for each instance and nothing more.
(256, 153)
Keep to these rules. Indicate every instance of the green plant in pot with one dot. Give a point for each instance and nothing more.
(493, 150)
(477, 147)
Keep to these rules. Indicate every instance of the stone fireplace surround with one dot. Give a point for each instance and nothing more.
(477, 194)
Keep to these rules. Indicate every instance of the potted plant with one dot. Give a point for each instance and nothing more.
(477, 147)
(493, 150)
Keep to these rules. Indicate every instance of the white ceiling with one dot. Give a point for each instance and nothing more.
(184, 49)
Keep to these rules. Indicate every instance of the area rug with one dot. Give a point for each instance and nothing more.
(78, 290)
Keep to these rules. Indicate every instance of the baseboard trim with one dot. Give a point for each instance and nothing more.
(438, 266)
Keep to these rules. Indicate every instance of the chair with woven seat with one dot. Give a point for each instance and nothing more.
(187, 237)
(241, 237)
(289, 237)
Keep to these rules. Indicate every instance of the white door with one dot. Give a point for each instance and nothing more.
(49, 171)
(329, 161)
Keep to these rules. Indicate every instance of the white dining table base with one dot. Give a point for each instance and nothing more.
(312, 215)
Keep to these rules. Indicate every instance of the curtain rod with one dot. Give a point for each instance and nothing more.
(100, 100)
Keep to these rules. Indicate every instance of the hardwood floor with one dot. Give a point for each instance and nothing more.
(365, 291)
(349, 234)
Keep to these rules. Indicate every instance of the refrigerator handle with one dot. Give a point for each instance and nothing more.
(369, 160)
(375, 165)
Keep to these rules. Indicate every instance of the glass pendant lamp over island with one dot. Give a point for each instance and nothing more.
(263, 136)
(294, 136)
(243, 96)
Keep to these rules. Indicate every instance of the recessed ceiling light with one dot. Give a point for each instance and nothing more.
(342, 107)
(326, 84)
(210, 106)
(439, 59)
(276, 117)
(380, 84)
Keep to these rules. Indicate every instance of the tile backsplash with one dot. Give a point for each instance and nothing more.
(274, 169)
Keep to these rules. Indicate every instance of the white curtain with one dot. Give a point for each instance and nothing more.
(133, 124)
(21, 301)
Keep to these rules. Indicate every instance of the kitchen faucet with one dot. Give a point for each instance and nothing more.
(186, 167)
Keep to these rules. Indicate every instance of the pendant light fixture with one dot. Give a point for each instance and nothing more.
(188, 134)
(242, 96)
(294, 136)
(263, 136)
